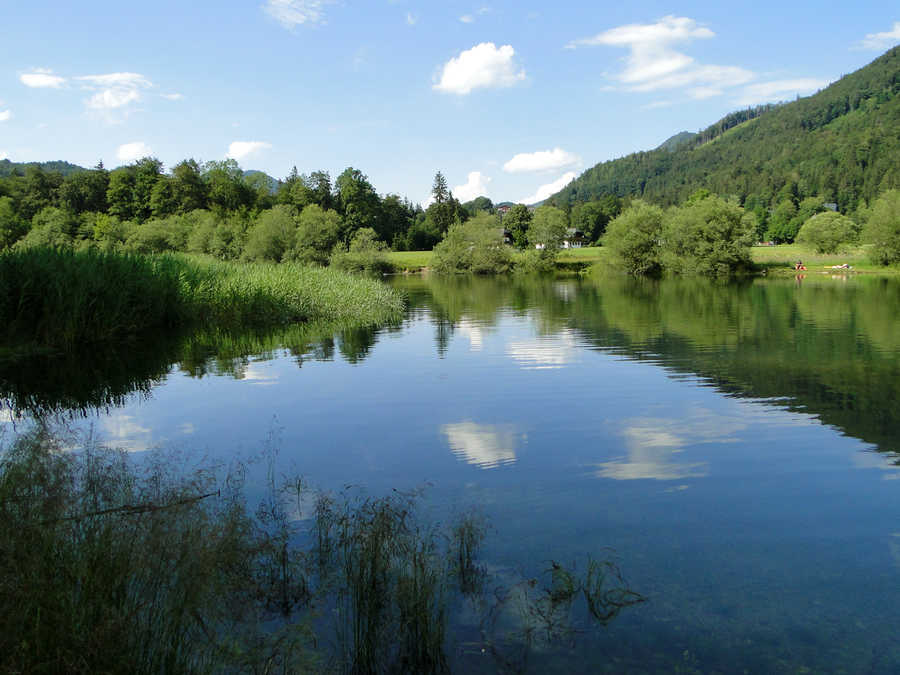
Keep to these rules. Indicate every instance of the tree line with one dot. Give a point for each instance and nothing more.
(216, 208)
(212, 207)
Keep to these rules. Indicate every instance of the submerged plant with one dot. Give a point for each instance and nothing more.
(466, 537)
(108, 564)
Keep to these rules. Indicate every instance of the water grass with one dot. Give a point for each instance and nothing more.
(60, 299)
(116, 564)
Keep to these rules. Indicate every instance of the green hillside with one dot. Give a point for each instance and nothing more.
(841, 144)
(7, 168)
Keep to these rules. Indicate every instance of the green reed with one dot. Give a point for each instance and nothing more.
(60, 299)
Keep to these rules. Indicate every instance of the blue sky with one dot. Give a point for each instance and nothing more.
(508, 99)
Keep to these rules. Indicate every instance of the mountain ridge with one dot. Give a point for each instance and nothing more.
(840, 144)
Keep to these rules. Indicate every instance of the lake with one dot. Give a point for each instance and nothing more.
(732, 448)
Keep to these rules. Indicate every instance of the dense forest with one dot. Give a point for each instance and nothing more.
(212, 207)
(839, 146)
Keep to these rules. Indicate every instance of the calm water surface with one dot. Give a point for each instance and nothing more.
(731, 447)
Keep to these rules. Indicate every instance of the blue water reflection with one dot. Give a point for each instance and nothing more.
(734, 446)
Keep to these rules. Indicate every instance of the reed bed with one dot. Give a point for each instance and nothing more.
(60, 299)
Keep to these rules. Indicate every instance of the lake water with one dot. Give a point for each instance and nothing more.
(733, 448)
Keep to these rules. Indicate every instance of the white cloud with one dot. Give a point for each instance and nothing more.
(653, 63)
(112, 98)
(780, 90)
(549, 189)
(293, 13)
(701, 93)
(467, 18)
(114, 90)
(3, 155)
(240, 149)
(475, 186)
(42, 78)
(173, 96)
(130, 152)
(482, 66)
(124, 80)
(881, 41)
(411, 19)
(5, 115)
(542, 160)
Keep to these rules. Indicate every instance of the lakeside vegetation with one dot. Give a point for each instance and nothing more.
(62, 299)
(122, 566)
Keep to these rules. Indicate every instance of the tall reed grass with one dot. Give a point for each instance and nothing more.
(59, 299)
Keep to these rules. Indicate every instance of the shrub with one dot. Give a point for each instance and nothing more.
(707, 236)
(50, 228)
(318, 231)
(633, 238)
(474, 246)
(273, 235)
(545, 236)
(827, 232)
(366, 254)
(882, 229)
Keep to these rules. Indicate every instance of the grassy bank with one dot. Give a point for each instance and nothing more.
(784, 256)
(59, 299)
(416, 261)
(773, 259)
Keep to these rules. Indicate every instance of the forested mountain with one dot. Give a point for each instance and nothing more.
(7, 168)
(841, 145)
(678, 140)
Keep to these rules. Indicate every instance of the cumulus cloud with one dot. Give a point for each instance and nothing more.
(5, 115)
(173, 96)
(130, 152)
(293, 13)
(483, 66)
(240, 149)
(3, 155)
(779, 90)
(42, 78)
(475, 186)
(467, 18)
(542, 160)
(549, 189)
(114, 90)
(653, 63)
(881, 41)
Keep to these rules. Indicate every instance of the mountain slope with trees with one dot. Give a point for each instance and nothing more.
(840, 145)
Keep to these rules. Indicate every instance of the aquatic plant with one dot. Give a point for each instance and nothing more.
(60, 299)
(111, 564)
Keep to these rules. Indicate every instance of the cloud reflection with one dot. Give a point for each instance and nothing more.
(485, 445)
(654, 443)
(257, 376)
(125, 433)
(472, 331)
(544, 353)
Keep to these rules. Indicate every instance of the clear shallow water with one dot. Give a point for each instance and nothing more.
(733, 445)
